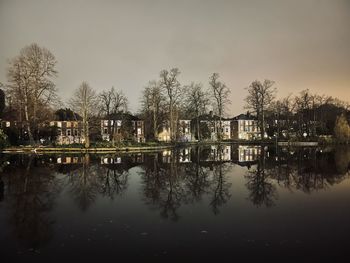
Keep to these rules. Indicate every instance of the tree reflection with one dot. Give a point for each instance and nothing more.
(30, 195)
(83, 183)
(112, 182)
(219, 185)
(261, 190)
(197, 179)
(342, 160)
(308, 169)
(163, 185)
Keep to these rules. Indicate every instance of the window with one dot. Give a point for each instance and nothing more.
(68, 124)
(105, 122)
(59, 124)
(139, 131)
(226, 129)
(75, 132)
(68, 132)
(105, 131)
(119, 123)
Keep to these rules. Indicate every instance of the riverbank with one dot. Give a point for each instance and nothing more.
(141, 148)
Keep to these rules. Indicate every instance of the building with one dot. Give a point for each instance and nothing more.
(212, 122)
(244, 127)
(183, 134)
(184, 131)
(121, 126)
(164, 134)
(69, 132)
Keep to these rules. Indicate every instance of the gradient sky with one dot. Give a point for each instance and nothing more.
(299, 44)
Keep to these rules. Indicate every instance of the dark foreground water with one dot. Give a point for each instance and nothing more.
(237, 203)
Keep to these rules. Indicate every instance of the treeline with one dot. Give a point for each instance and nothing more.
(32, 100)
(303, 115)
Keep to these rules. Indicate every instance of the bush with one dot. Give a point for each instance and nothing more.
(3, 140)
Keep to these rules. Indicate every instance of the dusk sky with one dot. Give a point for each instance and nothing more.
(299, 44)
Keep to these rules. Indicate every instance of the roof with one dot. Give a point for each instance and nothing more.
(244, 117)
(211, 117)
(122, 116)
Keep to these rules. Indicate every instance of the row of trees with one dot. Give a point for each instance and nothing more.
(165, 100)
(32, 96)
(300, 115)
(32, 99)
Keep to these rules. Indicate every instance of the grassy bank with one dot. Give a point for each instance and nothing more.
(125, 147)
(103, 147)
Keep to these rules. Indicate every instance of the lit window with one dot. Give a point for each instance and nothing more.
(69, 132)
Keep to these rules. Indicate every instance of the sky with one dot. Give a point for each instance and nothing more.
(300, 44)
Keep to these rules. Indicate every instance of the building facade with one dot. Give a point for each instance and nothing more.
(69, 132)
(245, 127)
(212, 122)
(118, 125)
(184, 131)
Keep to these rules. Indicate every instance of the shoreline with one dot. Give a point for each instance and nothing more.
(144, 148)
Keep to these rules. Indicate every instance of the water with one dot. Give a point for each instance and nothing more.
(213, 203)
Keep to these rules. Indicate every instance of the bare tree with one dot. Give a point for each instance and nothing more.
(30, 83)
(260, 96)
(221, 94)
(284, 108)
(174, 92)
(84, 102)
(113, 101)
(196, 102)
(153, 106)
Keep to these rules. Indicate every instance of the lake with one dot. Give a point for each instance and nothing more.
(215, 202)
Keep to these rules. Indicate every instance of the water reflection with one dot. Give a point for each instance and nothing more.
(168, 180)
(30, 191)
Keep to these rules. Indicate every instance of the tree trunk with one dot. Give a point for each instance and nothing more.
(262, 125)
(155, 133)
(198, 133)
(31, 140)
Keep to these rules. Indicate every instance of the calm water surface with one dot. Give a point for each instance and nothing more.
(230, 202)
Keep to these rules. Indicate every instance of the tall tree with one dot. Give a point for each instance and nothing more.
(305, 106)
(31, 86)
(174, 92)
(259, 99)
(152, 104)
(2, 101)
(197, 100)
(113, 101)
(220, 94)
(84, 102)
(342, 129)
